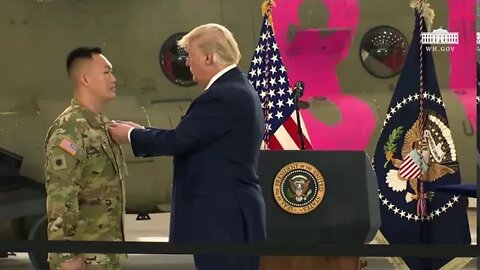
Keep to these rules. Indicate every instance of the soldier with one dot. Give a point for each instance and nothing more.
(85, 169)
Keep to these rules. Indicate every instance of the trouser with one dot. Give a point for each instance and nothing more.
(102, 267)
(54, 266)
(224, 262)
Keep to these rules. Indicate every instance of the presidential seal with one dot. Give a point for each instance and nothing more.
(299, 188)
(428, 153)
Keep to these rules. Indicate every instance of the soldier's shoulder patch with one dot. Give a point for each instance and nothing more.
(59, 162)
(69, 146)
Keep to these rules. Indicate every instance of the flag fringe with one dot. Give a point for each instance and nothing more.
(399, 263)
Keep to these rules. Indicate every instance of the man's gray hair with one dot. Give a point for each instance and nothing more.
(217, 39)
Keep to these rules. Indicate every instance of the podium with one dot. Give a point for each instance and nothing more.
(318, 197)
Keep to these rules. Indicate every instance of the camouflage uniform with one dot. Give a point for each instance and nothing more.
(85, 172)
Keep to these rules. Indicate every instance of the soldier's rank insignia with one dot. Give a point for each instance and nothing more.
(59, 162)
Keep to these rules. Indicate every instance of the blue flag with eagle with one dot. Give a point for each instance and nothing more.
(416, 143)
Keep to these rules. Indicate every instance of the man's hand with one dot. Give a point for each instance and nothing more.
(119, 132)
(75, 264)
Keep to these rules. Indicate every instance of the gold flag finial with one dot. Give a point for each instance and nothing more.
(267, 8)
(425, 10)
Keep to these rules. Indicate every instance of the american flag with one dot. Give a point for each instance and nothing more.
(68, 146)
(269, 77)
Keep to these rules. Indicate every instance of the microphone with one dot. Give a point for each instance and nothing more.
(298, 89)
(298, 92)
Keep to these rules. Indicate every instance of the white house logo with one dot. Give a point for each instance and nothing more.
(440, 36)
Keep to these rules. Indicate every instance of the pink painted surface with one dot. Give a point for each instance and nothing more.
(461, 19)
(317, 68)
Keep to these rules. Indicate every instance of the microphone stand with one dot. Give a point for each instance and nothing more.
(297, 112)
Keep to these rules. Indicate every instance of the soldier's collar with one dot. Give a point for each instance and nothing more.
(96, 120)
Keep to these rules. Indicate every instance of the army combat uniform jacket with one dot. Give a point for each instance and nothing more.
(85, 171)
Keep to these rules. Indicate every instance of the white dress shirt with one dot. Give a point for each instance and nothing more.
(130, 131)
(212, 80)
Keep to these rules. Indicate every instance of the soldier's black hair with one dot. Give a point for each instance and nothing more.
(79, 53)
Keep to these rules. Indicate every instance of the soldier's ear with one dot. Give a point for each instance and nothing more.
(83, 79)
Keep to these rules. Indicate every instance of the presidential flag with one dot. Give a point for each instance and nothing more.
(269, 77)
(414, 155)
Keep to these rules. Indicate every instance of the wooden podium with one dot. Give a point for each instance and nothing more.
(318, 197)
(308, 262)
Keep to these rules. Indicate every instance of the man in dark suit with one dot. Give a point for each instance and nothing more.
(216, 191)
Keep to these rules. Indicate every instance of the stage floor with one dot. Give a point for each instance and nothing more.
(157, 230)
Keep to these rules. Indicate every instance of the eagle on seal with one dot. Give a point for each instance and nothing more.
(429, 150)
(300, 188)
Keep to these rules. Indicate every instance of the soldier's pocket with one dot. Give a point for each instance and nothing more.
(97, 164)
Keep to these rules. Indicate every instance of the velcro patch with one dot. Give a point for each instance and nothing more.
(69, 146)
(59, 162)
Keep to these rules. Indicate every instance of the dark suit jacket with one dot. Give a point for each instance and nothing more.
(216, 191)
